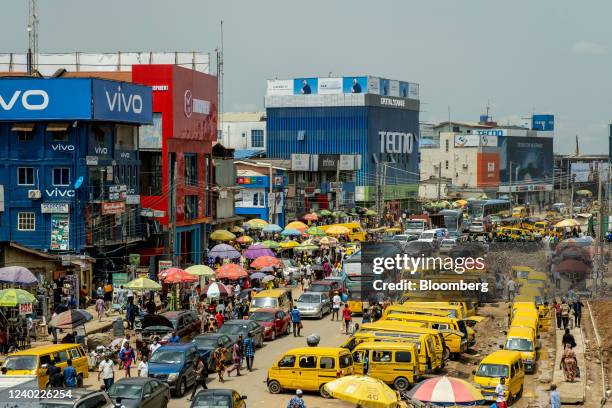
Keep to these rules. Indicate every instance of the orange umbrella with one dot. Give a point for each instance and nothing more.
(231, 271)
(297, 225)
(311, 217)
(264, 262)
(176, 275)
(245, 239)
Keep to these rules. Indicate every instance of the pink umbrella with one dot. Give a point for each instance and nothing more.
(176, 275)
(231, 271)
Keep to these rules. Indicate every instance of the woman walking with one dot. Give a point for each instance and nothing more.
(236, 357)
(100, 308)
(128, 359)
(569, 363)
(219, 357)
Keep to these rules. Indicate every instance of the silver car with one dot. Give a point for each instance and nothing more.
(313, 304)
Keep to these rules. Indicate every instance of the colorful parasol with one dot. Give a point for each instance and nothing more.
(13, 297)
(297, 225)
(290, 232)
(272, 229)
(328, 241)
(270, 244)
(17, 275)
(315, 232)
(446, 391)
(237, 230)
(143, 284)
(264, 262)
(256, 223)
(177, 275)
(570, 222)
(222, 235)
(325, 213)
(364, 391)
(257, 250)
(216, 289)
(288, 244)
(337, 230)
(70, 319)
(200, 270)
(231, 271)
(223, 251)
(311, 217)
(245, 239)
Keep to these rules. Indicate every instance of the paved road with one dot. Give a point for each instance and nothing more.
(253, 384)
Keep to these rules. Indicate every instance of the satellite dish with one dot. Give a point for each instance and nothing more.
(78, 183)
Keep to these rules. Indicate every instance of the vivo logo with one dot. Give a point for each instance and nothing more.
(396, 142)
(121, 102)
(101, 150)
(125, 155)
(62, 148)
(59, 193)
(30, 100)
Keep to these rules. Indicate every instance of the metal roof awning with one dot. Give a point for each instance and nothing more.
(23, 127)
(57, 127)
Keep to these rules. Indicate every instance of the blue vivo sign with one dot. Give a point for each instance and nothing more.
(45, 99)
(122, 102)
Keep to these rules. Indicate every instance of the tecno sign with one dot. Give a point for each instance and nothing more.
(30, 100)
(194, 105)
(396, 142)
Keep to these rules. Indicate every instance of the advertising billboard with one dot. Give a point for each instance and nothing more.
(582, 172)
(487, 169)
(404, 89)
(327, 162)
(530, 159)
(384, 86)
(543, 123)
(328, 86)
(195, 105)
(374, 85)
(354, 84)
(413, 91)
(45, 99)
(280, 87)
(305, 86)
(122, 102)
(463, 140)
(60, 233)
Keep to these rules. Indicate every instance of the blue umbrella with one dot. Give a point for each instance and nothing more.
(272, 228)
(289, 232)
(258, 275)
(224, 251)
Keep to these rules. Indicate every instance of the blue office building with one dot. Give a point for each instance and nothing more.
(349, 139)
(69, 163)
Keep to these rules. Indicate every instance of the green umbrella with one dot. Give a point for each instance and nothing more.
(13, 297)
(339, 214)
(306, 247)
(370, 213)
(143, 284)
(325, 213)
(584, 192)
(315, 232)
(270, 244)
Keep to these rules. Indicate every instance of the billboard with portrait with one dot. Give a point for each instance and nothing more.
(305, 86)
(384, 87)
(355, 84)
(530, 159)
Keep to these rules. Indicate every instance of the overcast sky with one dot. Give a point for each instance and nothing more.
(520, 56)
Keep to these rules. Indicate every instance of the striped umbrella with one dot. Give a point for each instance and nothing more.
(216, 289)
(445, 391)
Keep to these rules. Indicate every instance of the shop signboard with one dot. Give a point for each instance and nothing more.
(114, 207)
(300, 162)
(122, 102)
(327, 162)
(543, 123)
(54, 208)
(60, 233)
(163, 265)
(120, 278)
(465, 140)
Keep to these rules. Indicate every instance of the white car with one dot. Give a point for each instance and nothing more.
(447, 245)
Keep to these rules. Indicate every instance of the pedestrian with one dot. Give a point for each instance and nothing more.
(127, 359)
(118, 403)
(366, 317)
(150, 306)
(297, 401)
(336, 301)
(568, 338)
(155, 345)
(219, 318)
(106, 370)
(565, 311)
(569, 364)
(143, 367)
(347, 316)
(557, 309)
(201, 371)
(577, 306)
(100, 292)
(236, 357)
(70, 375)
(132, 311)
(249, 351)
(296, 321)
(174, 338)
(366, 364)
(511, 286)
(57, 379)
(100, 308)
(555, 397)
(500, 392)
(219, 359)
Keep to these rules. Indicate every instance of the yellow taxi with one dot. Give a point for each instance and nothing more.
(394, 363)
(501, 363)
(523, 340)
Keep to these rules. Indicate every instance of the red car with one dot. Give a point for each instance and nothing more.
(274, 321)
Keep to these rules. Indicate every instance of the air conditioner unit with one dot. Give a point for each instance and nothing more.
(34, 194)
(465, 166)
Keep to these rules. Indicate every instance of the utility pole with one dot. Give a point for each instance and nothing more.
(32, 36)
(572, 196)
(439, 179)
(338, 188)
(510, 186)
(384, 186)
(172, 211)
(271, 199)
(219, 52)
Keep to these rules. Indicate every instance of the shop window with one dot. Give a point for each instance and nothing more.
(128, 176)
(61, 176)
(191, 169)
(25, 176)
(26, 221)
(125, 138)
(257, 138)
(446, 143)
(191, 207)
(446, 164)
(99, 134)
(25, 136)
(208, 179)
(151, 173)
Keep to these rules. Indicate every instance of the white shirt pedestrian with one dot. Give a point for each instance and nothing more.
(143, 369)
(153, 347)
(106, 369)
(336, 300)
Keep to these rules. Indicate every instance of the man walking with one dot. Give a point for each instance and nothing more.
(577, 312)
(107, 371)
(70, 375)
(249, 351)
(511, 285)
(347, 317)
(296, 321)
(201, 374)
(336, 300)
(555, 397)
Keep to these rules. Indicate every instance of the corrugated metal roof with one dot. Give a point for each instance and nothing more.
(243, 116)
(248, 153)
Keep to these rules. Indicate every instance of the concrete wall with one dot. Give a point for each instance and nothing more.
(237, 135)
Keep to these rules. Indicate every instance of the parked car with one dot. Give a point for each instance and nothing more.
(175, 365)
(207, 343)
(186, 323)
(234, 328)
(154, 325)
(419, 248)
(218, 398)
(325, 286)
(314, 304)
(139, 392)
(447, 245)
(274, 321)
(80, 397)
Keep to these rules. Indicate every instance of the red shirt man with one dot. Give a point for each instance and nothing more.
(220, 319)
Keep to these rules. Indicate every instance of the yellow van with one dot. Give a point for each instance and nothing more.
(357, 233)
(430, 345)
(394, 363)
(520, 273)
(456, 310)
(309, 369)
(523, 340)
(528, 294)
(35, 361)
(272, 298)
(526, 319)
(448, 326)
(500, 363)
(519, 212)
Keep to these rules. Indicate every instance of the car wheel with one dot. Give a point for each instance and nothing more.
(288, 329)
(165, 403)
(182, 387)
(401, 384)
(323, 392)
(320, 314)
(273, 337)
(274, 387)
